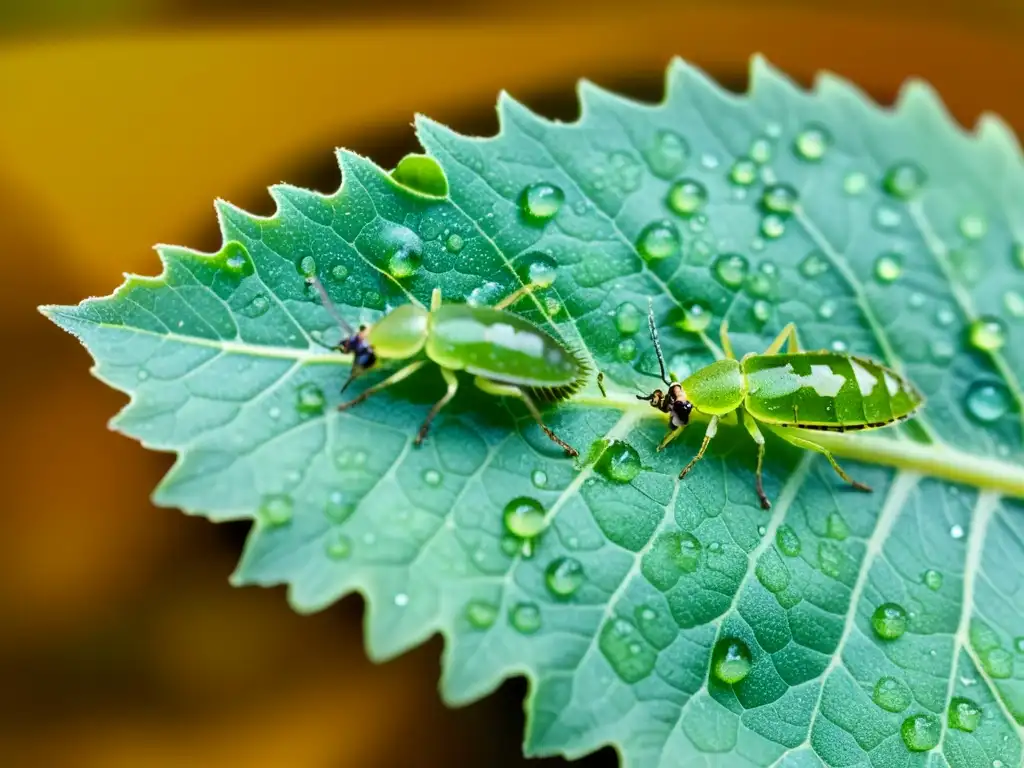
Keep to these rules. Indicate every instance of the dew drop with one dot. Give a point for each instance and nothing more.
(709, 161)
(964, 714)
(668, 154)
(625, 649)
(886, 217)
(484, 295)
(525, 618)
(888, 268)
(401, 599)
(772, 572)
(942, 351)
(338, 509)
(619, 463)
(524, 519)
(552, 305)
(987, 333)
(307, 266)
(956, 531)
(338, 546)
(945, 316)
(626, 171)
(826, 309)
(812, 142)
(787, 541)
(916, 300)
(404, 262)
(780, 199)
(235, 261)
(539, 478)
(973, 226)
(1014, 303)
(730, 269)
(658, 240)
(309, 399)
(773, 226)
(761, 151)
(743, 172)
(687, 196)
(696, 317)
(855, 183)
(998, 662)
(339, 273)
(987, 401)
(274, 412)
(830, 559)
(932, 579)
(276, 509)
(481, 614)
(142, 374)
(564, 576)
(257, 307)
(731, 660)
(838, 345)
(921, 732)
(761, 310)
(542, 272)
(891, 694)
(628, 318)
(889, 621)
(813, 265)
(836, 527)
(453, 243)
(540, 202)
(903, 180)
(432, 477)
(626, 350)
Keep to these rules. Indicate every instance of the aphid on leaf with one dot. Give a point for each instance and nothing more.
(507, 355)
(798, 391)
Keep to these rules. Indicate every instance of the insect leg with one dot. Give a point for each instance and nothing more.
(786, 334)
(726, 344)
(453, 384)
(508, 390)
(672, 435)
(435, 300)
(751, 425)
(397, 376)
(708, 434)
(515, 296)
(799, 442)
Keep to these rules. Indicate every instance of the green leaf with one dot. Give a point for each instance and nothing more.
(676, 621)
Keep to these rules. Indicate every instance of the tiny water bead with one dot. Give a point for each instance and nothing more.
(888, 268)
(813, 265)
(886, 218)
(957, 532)
(761, 310)
(687, 196)
(773, 226)
(731, 660)
(964, 714)
(432, 477)
(1014, 303)
(743, 172)
(855, 183)
(235, 258)
(787, 540)
(987, 333)
(619, 463)
(626, 350)
(889, 621)
(904, 180)
(626, 650)
(628, 318)
(525, 617)
(658, 240)
(539, 478)
(761, 151)
(812, 142)
(709, 161)
(307, 266)
(540, 202)
(932, 579)
(309, 399)
(481, 614)
(524, 519)
(772, 572)
(696, 317)
(338, 546)
(404, 262)
(542, 272)
(564, 576)
(339, 273)
(668, 154)
(338, 509)
(836, 527)
(987, 401)
(730, 269)
(453, 243)
(779, 198)
(891, 694)
(276, 509)
(921, 732)
(973, 226)
(826, 309)
(257, 307)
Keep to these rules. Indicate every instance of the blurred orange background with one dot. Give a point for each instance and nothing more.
(121, 642)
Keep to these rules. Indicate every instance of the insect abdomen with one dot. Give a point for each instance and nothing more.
(826, 390)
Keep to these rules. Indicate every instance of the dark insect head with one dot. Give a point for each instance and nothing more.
(673, 401)
(355, 342)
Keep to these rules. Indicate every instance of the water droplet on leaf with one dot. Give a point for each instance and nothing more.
(539, 478)
(564, 576)
(658, 240)
(696, 317)
(687, 196)
(257, 307)
(731, 660)
(812, 142)
(836, 527)
(276, 509)
(404, 262)
(309, 399)
(668, 154)
(932, 579)
(524, 519)
(973, 226)
(854, 183)
(626, 650)
(904, 180)
(964, 714)
(540, 202)
(542, 272)
(998, 662)
(731, 269)
(628, 318)
(307, 266)
(813, 265)
(889, 621)
(987, 401)
(338, 546)
(453, 243)
(921, 732)
(743, 172)
(780, 199)
(956, 531)
(891, 694)
(987, 333)
(525, 618)
(888, 267)
(338, 509)
(619, 463)
(481, 614)
(432, 477)
(787, 540)
(773, 226)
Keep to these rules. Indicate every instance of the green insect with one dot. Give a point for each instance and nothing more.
(507, 355)
(803, 390)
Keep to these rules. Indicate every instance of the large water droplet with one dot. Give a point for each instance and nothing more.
(542, 271)
(626, 350)
(998, 662)
(696, 317)
(987, 401)
(891, 694)
(964, 714)
(973, 226)
(338, 546)
(743, 172)
(787, 541)
(338, 509)
(524, 519)
(306, 266)
(481, 614)
(987, 333)
(626, 650)
(814, 265)
(773, 226)
(855, 183)
(619, 463)
(422, 174)
(812, 142)
(258, 306)
(904, 180)
(309, 399)
(404, 262)
(658, 240)
(687, 196)
(628, 318)
(525, 617)
(540, 202)
(780, 199)
(454, 242)
(668, 154)
(921, 732)
(731, 660)
(888, 268)
(564, 576)
(932, 579)
(731, 269)
(276, 509)
(889, 621)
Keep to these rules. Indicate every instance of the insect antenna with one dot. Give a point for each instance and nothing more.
(657, 344)
(329, 305)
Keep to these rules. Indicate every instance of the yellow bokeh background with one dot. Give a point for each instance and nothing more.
(121, 642)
